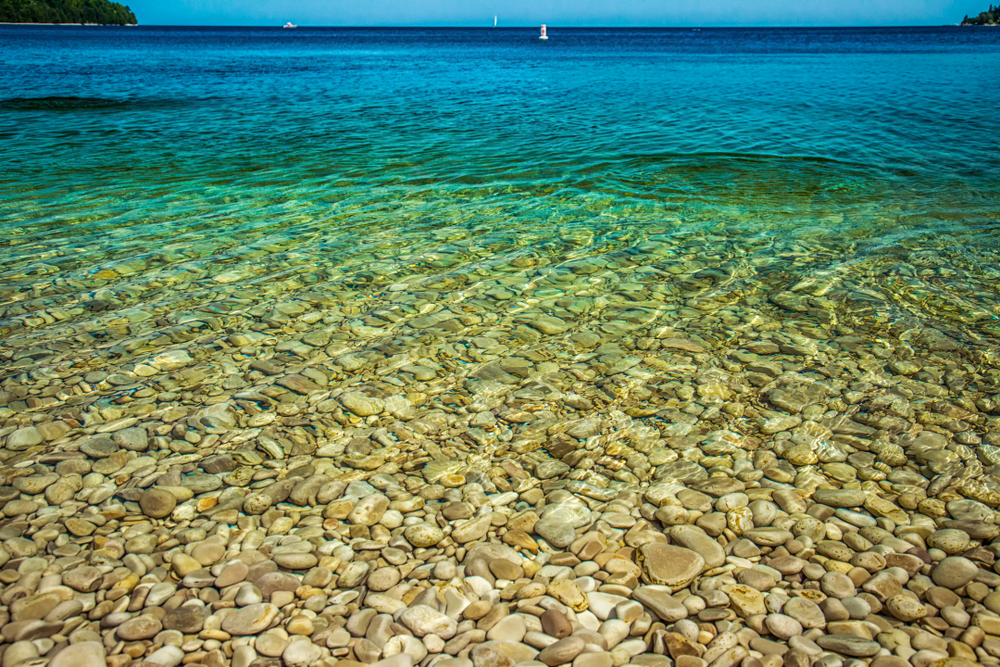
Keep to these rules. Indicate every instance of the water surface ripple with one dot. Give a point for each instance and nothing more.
(826, 177)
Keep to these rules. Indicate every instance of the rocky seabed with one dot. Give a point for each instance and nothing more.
(590, 467)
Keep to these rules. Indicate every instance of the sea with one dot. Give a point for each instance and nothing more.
(418, 192)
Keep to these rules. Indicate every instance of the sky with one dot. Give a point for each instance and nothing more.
(612, 13)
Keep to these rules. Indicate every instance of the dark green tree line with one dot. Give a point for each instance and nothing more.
(65, 11)
(989, 17)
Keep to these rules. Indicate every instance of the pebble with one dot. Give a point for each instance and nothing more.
(79, 654)
(669, 565)
(157, 503)
(401, 466)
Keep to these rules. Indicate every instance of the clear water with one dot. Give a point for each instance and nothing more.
(165, 187)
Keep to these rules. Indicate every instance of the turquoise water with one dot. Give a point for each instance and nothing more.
(163, 187)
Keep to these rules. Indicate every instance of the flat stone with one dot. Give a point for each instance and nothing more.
(143, 627)
(694, 538)
(474, 529)
(189, 619)
(81, 654)
(250, 620)
(296, 561)
(847, 498)
(134, 439)
(99, 448)
(23, 438)
(299, 384)
(745, 600)
(361, 405)
(849, 645)
(563, 651)
(556, 533)
(661, 602)
(510, 629)
(669, 565)
(301, 653)
(85, 579)
(549, 324)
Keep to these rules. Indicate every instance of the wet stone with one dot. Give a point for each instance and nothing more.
(157, 503)
(99, 448)
(669, 565)
(189, 619)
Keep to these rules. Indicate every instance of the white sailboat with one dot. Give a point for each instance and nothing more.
(494, 21)
(543, 35)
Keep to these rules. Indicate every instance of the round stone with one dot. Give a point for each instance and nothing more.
(954, 572)
(369, 510)
(783, 627)
(423, 535)
(906, 607)
(157, 503)
(555, 624)
(740, 520)
(949, 540)
(806, 612)
(837, 585)
(256, 503)
(383, 579)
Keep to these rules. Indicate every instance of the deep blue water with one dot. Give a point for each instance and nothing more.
(165, 155)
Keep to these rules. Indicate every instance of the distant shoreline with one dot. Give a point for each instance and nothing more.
(122, 25)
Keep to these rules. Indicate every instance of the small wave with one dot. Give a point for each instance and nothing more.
(70, 103)
(60, 103)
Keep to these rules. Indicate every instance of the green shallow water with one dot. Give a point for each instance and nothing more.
(430, 189)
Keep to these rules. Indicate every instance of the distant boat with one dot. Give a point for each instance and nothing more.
(543, 35)
(494, 21)
(289, 25)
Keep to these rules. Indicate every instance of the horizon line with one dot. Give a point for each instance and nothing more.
(510, 27)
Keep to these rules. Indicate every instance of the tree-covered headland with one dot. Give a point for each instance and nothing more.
(989, 17)
(65, 11)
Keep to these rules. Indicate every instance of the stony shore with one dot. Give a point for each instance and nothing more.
(455, 477)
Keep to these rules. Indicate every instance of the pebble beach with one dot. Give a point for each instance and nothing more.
(506, 439)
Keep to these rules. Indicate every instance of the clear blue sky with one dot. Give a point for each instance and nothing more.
(555, 12)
